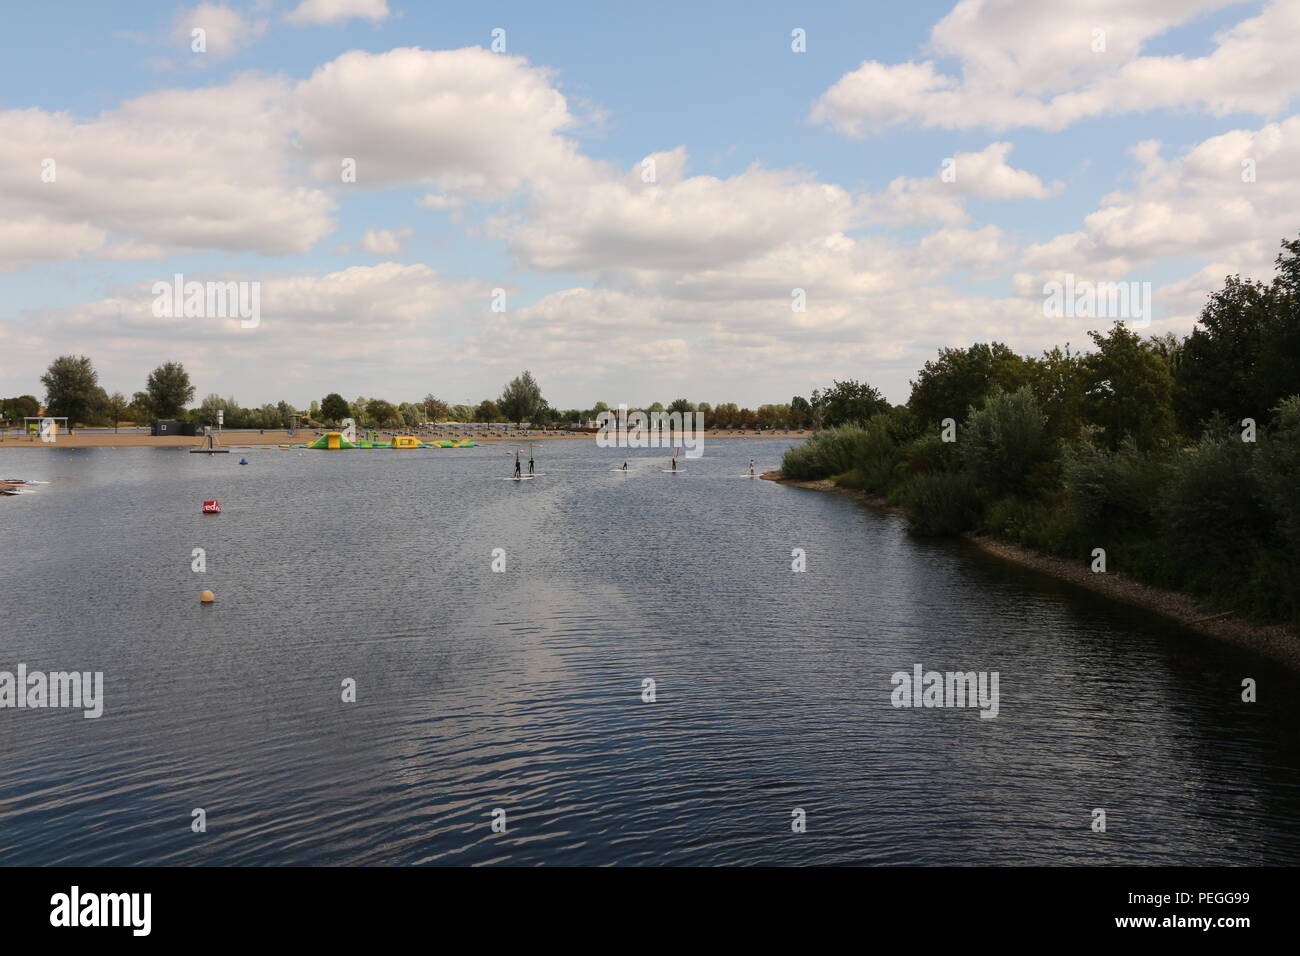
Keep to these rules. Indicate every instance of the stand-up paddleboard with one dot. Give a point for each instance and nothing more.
(669, 471)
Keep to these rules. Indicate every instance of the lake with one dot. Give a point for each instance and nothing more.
(522, 690)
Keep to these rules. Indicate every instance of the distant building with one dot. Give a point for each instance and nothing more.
(166, 426)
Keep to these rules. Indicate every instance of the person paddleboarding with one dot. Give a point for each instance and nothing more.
(530, 459)
(518, 470)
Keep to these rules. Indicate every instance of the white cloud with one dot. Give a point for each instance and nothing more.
(695, 274)
(985, 175)
(363, 326)
(468, 122)
(226, 31)
(179, 170)
(24, 242)
(1204, 204)
(634, 346)
(435, 201)
(597, 218)
(173, 170)
(336, 11)
(692, 274)
(1027, 63)
(384, 242)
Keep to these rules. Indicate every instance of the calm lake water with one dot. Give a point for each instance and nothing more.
(522, 690)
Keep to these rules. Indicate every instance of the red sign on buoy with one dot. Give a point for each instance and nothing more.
(212, 507)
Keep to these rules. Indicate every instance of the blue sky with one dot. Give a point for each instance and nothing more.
(816, 170)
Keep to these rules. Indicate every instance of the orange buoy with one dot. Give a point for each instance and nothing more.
(206, 597)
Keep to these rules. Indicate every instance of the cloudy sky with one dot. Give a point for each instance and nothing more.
(647, 184)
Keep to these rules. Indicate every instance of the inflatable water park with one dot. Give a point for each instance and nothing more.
(347, 439)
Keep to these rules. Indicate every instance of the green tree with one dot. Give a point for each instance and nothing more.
(410, 414)
(169, 390)
(848, 402)
(1219, 362)
(487, 411)
(232, 415)
(774, 416)
(960, 379)
(544, 414)
(16, 409)
(1128, 390)
(334, 408)
(1058, 381)
(381, 413)
(435, 409)
(1277, 469)
(521, 398)
(116, 408)
(1243, 358)
(72, 389)
(1003, 441)
(800, 412)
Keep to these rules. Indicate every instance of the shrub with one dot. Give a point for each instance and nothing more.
(827, 453)
(1211, 512)
(941, 503)
(869, 451)
(879, 456)
(1110, 491)
(1277, 473)
(1005, 439)
(931, 453)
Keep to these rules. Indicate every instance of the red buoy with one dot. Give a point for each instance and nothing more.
(212, 507)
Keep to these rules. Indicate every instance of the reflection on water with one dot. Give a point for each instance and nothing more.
(522, 690)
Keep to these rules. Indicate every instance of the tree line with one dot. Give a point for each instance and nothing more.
(72, 390)
(1174, 460)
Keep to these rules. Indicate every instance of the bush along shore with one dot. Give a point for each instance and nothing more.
(1161, 471)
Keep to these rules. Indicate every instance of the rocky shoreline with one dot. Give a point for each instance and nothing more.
(1274, 641)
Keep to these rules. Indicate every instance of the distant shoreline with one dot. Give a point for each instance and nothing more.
(234, 439)
(1274, 641)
